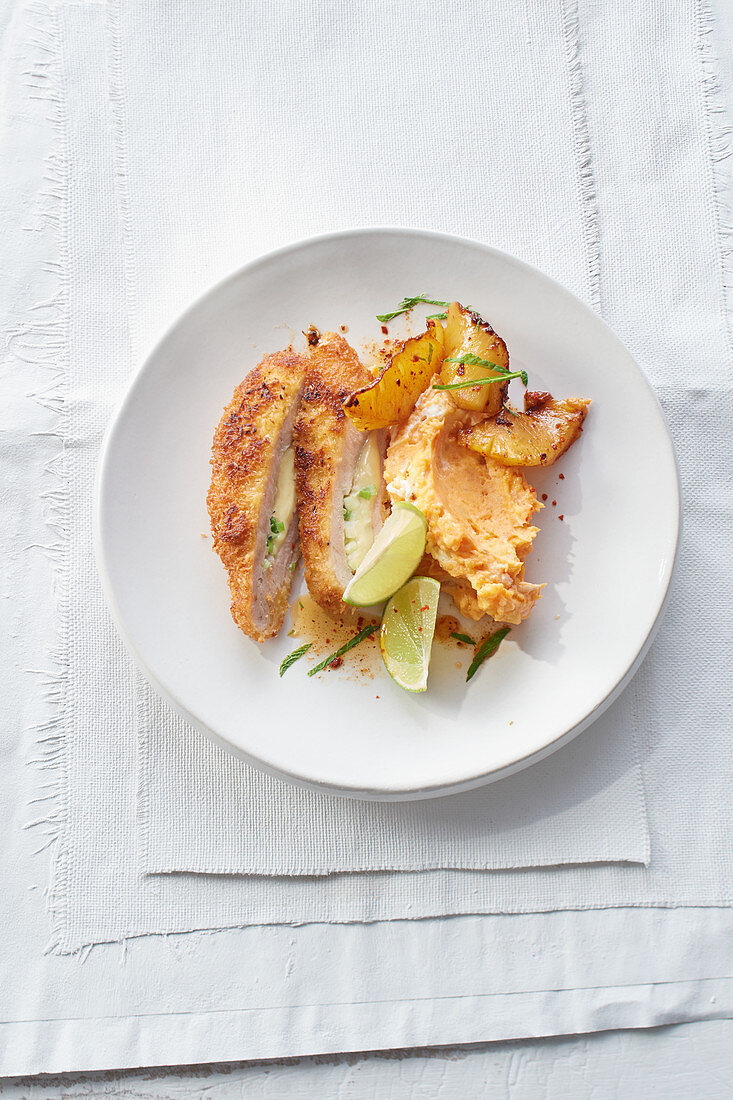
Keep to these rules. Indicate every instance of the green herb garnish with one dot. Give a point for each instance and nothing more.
(463, 638)
(368, 492)
(469, 360)
(347, 513)
(293, 657)
(436, 317)
(483, 381)
(276, 526)
(408, 303)
(487, 647)
(344, 648)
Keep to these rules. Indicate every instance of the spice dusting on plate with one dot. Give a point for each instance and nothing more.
(445, 627)
(328, 634)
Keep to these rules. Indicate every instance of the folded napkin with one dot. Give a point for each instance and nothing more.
(582, 805)
(528, 201)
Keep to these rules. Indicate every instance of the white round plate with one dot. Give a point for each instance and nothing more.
(607, 564)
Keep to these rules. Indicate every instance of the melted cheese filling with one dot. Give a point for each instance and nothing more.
(359, 504)
(284, 506)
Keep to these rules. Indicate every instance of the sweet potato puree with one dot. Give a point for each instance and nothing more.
(478, 511)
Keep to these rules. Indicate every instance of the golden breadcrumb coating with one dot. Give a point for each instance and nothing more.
(245, 444)
(322, 435)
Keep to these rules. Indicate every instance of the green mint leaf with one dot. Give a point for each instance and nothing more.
(487, 647)
(344, 648)
(407, 304)
(469, 360)
(481, 381)
(293, 657)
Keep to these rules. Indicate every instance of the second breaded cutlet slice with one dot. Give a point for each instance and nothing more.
(327, 450)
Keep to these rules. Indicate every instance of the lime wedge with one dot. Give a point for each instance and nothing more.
(406, 635)
(391, 559)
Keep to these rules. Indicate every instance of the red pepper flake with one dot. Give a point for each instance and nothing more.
(544, 496)
(554, 503)
(561, 517)
(336, 662)
(385, 330)
(344, 328)
(426, 608)
(562, 477)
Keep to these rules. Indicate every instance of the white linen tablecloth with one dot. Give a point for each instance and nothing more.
(671, 242)
(368, 121)
(585, 806)
(334, 97)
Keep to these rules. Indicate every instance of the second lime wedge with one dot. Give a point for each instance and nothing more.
(406, 634)
(391, 559)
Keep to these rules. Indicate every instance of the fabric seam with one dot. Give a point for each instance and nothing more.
(718, 147)
(583, 157)
(45, 338)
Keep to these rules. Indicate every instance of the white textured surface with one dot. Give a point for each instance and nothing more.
(85, 997)
(677, 689)
(675, 1063)
(238, 821)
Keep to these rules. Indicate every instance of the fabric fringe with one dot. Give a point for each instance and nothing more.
(584, 161)
(42, 340)
(718, 133)
(118, 108)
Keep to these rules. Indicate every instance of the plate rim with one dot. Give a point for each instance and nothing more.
(368, 793)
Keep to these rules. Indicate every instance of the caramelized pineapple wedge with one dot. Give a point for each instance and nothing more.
(392, 396)
(536, 437)
(468, 337)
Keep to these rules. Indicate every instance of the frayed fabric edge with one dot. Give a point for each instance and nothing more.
(118, 109)
(718, 134)
(42, 340)
(592, 241)
(583, 158)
